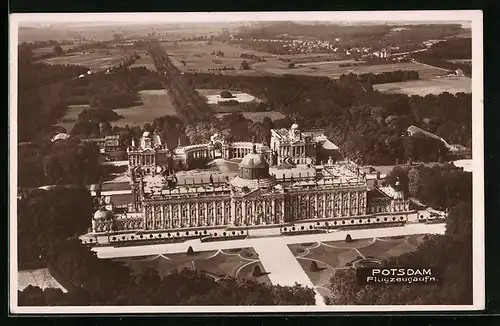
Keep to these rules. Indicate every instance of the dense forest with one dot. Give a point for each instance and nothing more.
(67, 161)
(440, 54)
(366, 124)
(444, 187)
(93, 281)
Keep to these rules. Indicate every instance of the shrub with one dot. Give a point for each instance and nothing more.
(226, 94)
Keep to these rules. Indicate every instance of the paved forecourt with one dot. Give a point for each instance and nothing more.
(282, 266)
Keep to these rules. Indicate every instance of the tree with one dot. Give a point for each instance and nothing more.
(226, 94)
(190, 251)
(256, 271)
(348, 238)
(245, 65)
(58, 50)
(314, 267)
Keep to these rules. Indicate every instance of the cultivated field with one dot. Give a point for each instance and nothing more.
(198, 58)
(155, 103)
(432, 86)
(336, 255)
(95, 60)
(49, 49)
(216, 264)
(334, 70)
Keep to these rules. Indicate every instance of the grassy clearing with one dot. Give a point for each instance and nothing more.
(155, 103)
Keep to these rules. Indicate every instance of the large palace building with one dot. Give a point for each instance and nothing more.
(337, 192)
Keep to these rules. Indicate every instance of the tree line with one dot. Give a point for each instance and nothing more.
(444, 187)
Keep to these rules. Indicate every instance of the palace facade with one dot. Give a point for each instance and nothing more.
(254, 197)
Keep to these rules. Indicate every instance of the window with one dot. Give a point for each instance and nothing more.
(141, 236)
(302, 227)
(224, 234)
(343, 222)
(310, 227)
(159, 235)
(132, 237)
(284, 229)
(234, 233)
(352, 221)
(178, 234)
(150, 235)
(114, 238)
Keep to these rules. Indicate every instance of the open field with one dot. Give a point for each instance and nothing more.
(198, 58)
(258, 116)
(432, 86)
(155, 103)
(50, 49)
(332, 69)
(95, 60)
(335, 255)
(216, 264)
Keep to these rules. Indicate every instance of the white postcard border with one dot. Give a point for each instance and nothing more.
(473, 16)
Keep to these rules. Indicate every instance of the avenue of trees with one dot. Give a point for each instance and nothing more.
(443, 187)
(93, 281)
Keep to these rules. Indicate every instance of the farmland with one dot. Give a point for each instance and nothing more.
(436, 86)
(94, 60)
(334, 70)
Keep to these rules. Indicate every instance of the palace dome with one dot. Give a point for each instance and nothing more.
(103, 214)
(253, 160)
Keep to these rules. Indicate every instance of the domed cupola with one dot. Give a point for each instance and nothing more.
(102, 214)
(253, 171)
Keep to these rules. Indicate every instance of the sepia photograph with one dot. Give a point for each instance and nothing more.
(246, 162)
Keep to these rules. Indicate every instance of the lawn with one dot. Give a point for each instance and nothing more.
(155, 103)
(432, 86)
(217, 264)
